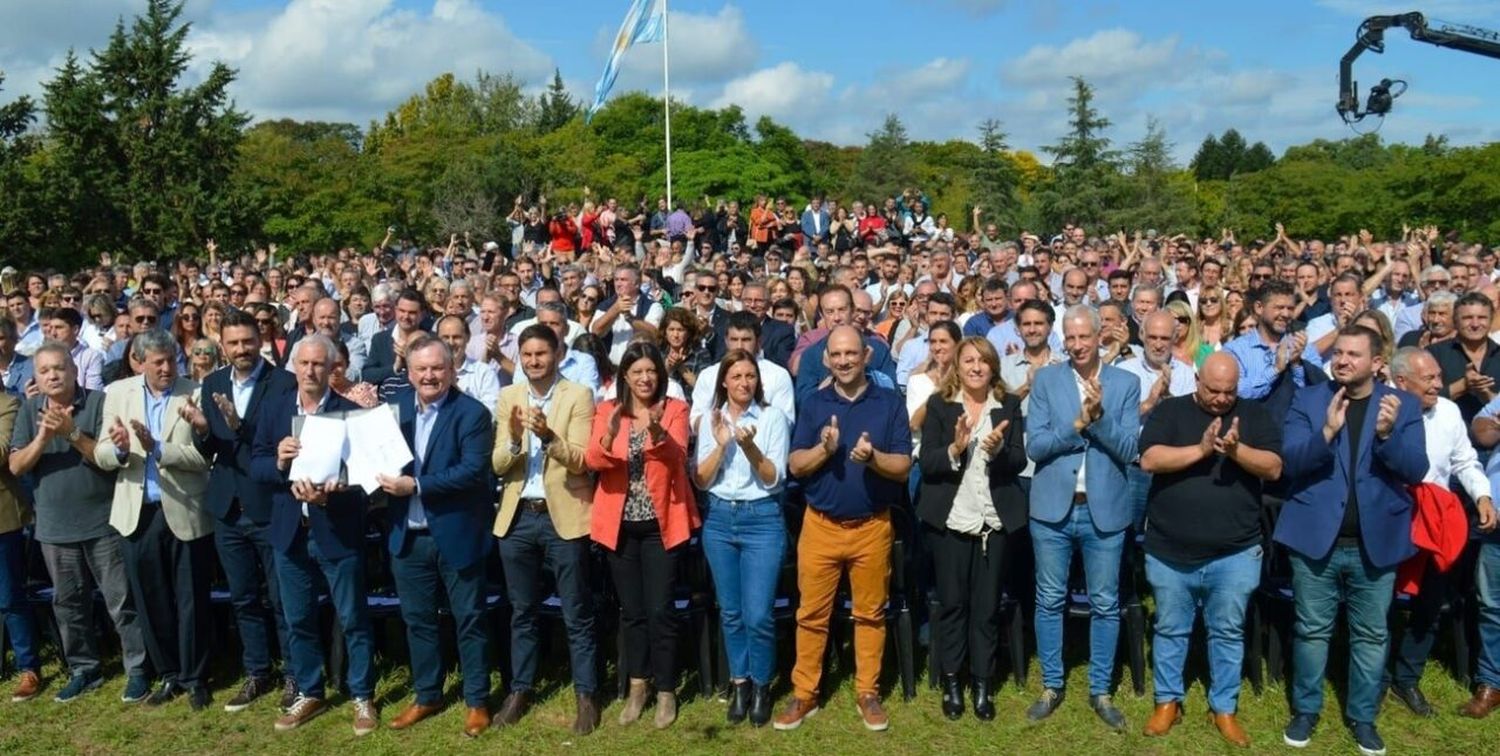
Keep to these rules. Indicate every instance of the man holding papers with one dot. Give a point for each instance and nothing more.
(318, 530)
(440, 505)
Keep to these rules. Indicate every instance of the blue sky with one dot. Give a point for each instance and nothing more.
(832, 70)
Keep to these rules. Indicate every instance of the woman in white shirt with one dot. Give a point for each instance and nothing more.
(942, 340)
(971, 506)
(741, 459)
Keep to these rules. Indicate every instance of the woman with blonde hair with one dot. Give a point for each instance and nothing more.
(1188, 346)
(1213, 321)
(973, 450)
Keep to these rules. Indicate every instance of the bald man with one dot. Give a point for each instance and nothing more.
(1209, 454)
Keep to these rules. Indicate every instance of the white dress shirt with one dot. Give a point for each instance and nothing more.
(481, 381)
(736, 480)
(775, 385)
(1184, 379)
(1449, 453)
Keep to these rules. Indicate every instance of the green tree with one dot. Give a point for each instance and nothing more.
(555, 107)
(885, 166)
(994, 177)
(1084, 167)
(17, 199)
(1155, 194)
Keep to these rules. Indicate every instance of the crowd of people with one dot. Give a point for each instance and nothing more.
(767, 387)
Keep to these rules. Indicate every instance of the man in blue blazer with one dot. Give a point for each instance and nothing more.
(815, 222)
(441, 507)
(387, 355)
(1351, 447)
(241, 506)
(318, 531)
(1081, 431)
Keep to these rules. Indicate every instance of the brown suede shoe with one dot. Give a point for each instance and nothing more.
(30, 684)
(1166, 716)
(477, 721)
(516, 705)
(412, 715)
(1485, 700)
(588, 715)
(1230, 728)
(796, 711)
(873, 714)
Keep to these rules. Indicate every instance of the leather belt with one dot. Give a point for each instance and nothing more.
(538, 506)
(847, 522)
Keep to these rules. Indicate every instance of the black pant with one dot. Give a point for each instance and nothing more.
(169, 580)
(969, 573)
(1409, 654)
(530, 548)
(645, 576)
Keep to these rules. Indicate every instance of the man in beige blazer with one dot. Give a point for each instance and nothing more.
(548, 494)
(149, 437)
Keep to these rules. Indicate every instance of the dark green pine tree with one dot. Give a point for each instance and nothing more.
(555, 107)
(1085, 173)
(17, 219)
(885, 166)
(994, 177)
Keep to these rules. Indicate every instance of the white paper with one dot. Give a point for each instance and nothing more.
(323, 441)
(376, 446)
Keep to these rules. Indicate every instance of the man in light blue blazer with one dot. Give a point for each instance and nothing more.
(815, 222)
(1352, 446)
(1082, 430)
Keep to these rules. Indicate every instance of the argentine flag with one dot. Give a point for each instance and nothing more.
(645, 22)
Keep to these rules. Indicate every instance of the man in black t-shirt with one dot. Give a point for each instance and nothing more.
(1209, 454)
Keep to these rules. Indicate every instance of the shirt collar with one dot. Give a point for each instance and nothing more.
(322, 403)
(434, 407)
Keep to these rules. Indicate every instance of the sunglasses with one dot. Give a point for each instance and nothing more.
(203, 352)
(151, 291)
(264, 321)
(1184, 319)
(1210, 300)
(703, 288)
(1259, 276)
(188, 315)
(147, 319)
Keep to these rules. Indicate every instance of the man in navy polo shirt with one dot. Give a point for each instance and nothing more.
(851, 448)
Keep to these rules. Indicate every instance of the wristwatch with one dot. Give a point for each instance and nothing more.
(74, 434)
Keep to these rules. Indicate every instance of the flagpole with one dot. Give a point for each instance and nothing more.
(666, 79)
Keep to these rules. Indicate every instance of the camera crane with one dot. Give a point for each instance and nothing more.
(1371, 36)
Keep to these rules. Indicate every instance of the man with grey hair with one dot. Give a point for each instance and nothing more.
(55, 436)
(1432, 279)
(1162, 376)
(158, 508)
(1450, 456)
(1437, 321)
(143, 316)
(382, 312)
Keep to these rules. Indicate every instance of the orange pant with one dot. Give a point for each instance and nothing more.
(824, 550)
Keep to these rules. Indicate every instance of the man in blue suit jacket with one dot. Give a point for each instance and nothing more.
(1351, 447)
(318, 531)
(815, 222)
(441, 507)
(241, 505)
(1081, 431)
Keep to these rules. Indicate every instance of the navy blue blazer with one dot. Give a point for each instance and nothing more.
(456, 479)
(1106, 447)
(229, 451)
(339, 526)
(380, 363)
(1318, 478)
(777, 340)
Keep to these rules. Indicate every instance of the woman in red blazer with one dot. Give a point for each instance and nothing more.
(644, 512)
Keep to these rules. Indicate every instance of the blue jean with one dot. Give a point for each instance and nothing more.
(1140, 486)
(300, 571)
(1487, 580)
(744, 543)
(1318, 586)
(1053, 544)
(531, 546)
(1222, 588)
(421, 577)
(20, 622)
(249, 564)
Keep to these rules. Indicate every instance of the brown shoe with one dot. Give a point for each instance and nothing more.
(1166, 716)
(366, 719)
(302, 711)
(27, 688)
(872, 712)
(412, 715)
(588, 715)
(1485, 700)
(796, 711)
(516, 705)
(666, 710)
(477, 721)
(635, 702)
(1230, 728)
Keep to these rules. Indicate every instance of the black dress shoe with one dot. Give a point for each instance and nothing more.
(984, 702)
(1414, 700)
(1045, 704)
(165, 694)
(953, 697)
(760, 705)
(1104, 706)
(199, 699)
(739, 701)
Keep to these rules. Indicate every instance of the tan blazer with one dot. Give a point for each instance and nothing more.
(182, 469)
(13, 510)
(569, 485)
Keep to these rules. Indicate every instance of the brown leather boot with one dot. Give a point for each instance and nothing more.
(588, 715)
(1485, 700)
(1230, 728)
(1166, 716)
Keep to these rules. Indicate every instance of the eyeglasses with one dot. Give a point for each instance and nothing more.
(708, 289)
(1210, 300)
(145, 319)
(1090, 263)
(1259, 276)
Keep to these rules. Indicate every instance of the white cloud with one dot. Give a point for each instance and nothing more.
(783, 91)
(1109, 59)
(702, 47)
(353, 60)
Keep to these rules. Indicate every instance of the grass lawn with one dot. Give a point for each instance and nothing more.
(100, 724)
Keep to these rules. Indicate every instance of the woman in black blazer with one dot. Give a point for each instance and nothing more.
(973, 448)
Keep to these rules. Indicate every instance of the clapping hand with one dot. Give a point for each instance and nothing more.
(190, 412)
(829, 437)
(1333, 422)
(57, 421)
(1228, 443)
(536, 422)
(745, 436)
(1209, 443)
(863, 450)
(119, 436)
(991, 441)
(143, 435)
(1092, 407)
(963, 430)
(517, 423)
(226, 408)
(1385, 420)
(720, 428)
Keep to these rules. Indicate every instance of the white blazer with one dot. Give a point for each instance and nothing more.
(182, 470)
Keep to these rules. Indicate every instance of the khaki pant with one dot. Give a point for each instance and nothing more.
(825, 549)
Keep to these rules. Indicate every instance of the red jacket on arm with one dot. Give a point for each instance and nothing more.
(1439, 530)
(666, 476)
